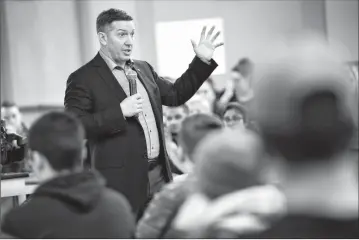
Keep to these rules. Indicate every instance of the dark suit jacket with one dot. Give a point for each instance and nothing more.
(117, 145)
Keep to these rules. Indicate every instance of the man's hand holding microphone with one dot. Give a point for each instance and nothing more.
(132, 105)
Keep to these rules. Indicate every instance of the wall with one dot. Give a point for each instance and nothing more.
(248, 25)
(43, 49)
(342, 24)
(87, 12)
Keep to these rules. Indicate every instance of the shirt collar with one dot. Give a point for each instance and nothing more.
(111, 64)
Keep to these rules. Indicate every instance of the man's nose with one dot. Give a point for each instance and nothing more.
(129, 41)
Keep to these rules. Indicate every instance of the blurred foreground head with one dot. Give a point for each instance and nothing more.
(304, 102)
(228, 161)
(194, 129)
(56, 141)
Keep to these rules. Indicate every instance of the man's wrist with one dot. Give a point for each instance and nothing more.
(205, 60)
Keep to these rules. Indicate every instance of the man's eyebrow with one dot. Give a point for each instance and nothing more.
(124, 30)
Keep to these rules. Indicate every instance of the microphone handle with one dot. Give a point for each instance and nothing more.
(133, 90)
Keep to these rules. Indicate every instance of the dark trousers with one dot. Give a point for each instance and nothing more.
(155, 183)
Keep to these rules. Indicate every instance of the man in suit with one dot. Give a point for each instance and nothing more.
(125, 130)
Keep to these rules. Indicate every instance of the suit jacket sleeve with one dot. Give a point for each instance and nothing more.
(79, 100)
(179, 92)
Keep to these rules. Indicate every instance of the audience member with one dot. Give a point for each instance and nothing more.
(13, 159)
(10, 113)
(304, 108)
(198, 104)
(234, 115)
(239, 88)
(174, 117)
(70, 202)
(228, 170)
(157, 220)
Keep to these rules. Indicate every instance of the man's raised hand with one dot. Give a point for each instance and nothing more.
(206, 46)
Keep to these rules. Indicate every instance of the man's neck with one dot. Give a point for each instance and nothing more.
(107, 54)
(326, 190)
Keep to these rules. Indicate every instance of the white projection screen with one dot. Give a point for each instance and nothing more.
(174, 48)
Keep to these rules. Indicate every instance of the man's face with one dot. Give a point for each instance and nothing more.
(175, 116)
(12, 116)
(233, 118)
(118, 38)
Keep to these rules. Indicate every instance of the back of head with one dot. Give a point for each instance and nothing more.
(303, 102)
(244, 67)
(7, 104)
(194, 129)
(227, 162)
(58, 136)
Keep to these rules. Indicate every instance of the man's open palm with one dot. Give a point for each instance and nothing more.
(206, 46)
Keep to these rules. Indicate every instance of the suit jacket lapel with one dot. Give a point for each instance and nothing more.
(147, 85)
(106, 74)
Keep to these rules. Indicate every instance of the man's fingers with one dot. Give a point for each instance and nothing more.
(215, 37)
(210, 33)
(203, 33)
(218, 45)
(194, 45)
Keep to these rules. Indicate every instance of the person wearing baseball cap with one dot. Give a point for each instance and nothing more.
(304, 109)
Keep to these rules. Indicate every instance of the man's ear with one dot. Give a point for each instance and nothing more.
(38, 161)
(102, 37)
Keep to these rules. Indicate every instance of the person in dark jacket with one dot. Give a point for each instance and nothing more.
(125, 129)
(70, 202)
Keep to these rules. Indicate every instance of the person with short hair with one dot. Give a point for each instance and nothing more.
(124, 123)
(234, 115)
(232, 197)
(13, 158)
(157, 220)
(70, 202)
(304, 108)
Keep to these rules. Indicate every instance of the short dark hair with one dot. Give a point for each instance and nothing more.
(184, 106)
(8, 104)
(59, 137)
(195, 128)
(237, 106)
(321, 132)
(108, 16)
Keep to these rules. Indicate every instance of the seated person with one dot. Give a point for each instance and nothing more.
(173, 117)
(10, 113)
(157, 220)
(234, 115)
(13, 155)
(232, 197)
(307, 118)
(70, 202)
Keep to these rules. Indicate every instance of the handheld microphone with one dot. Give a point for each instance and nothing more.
(132, 78)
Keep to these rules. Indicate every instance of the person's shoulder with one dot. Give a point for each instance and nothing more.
(83, 70)
(176, 190)
(113, 197)
(17, 220)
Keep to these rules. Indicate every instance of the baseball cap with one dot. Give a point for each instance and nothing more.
(304, 95)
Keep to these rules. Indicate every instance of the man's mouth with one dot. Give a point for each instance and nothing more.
(127, 51)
